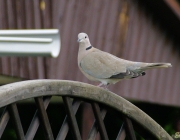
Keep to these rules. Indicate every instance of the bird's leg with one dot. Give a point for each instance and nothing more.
(101, 84)
(106, 87)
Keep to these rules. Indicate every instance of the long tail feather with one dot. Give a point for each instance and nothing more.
(156, 65)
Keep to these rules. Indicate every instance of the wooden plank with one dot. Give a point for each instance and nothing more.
(129, 128)
(122, 133)
(35, 121)
(65, 127)
(100, 122)
(4, 120)
(16, 121)
(174, 5)
(94, 129)
(71, 119)
(44, 119)
(30, 13)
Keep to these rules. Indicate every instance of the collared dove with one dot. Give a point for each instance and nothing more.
(106, 68)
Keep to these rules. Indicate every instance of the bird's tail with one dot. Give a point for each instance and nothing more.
(155, 65)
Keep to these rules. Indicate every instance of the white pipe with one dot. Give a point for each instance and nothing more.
(45, 42)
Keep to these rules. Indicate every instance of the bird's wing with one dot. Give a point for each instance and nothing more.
(128, 74)
(102, 65)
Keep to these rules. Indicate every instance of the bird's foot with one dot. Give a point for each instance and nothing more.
(100, 85)
(103, 86)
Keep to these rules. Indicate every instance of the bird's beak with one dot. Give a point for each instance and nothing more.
(79, 40)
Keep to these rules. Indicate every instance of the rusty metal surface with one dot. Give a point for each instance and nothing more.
(117, 26)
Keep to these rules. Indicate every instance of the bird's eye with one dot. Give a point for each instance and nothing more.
(85, 36)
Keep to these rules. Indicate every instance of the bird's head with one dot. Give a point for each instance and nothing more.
(83, 39)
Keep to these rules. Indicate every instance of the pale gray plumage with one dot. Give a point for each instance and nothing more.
(106, 68)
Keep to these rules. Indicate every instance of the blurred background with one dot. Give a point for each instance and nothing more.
(136, 30)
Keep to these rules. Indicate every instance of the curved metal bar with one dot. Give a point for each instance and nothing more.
(34, 88)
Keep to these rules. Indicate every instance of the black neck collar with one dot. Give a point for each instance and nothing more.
(88, 47)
